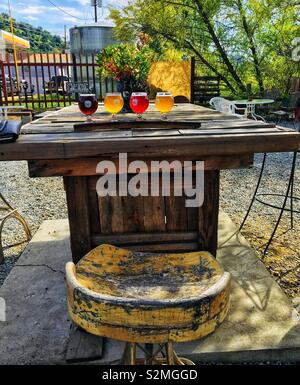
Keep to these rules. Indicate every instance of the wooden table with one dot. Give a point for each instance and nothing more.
(52, 148)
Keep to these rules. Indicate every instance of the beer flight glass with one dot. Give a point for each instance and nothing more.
(139, 102)
(113, 103)
(88, 105)
(164, 102)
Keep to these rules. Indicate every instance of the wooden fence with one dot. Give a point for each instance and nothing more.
(203, 88)
(50, 80)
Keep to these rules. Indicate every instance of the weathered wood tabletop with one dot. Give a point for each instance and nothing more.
(53, 137)
(53, 148)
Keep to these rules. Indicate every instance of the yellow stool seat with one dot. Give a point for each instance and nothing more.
(147, 297)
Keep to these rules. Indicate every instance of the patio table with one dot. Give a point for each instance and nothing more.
(164, 224)
(251, 106)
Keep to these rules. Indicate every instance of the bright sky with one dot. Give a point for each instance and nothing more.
(41, 13)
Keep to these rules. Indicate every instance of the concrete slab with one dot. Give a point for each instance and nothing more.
(259, 326)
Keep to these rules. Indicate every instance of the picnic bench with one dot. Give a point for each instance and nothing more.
(53, 148)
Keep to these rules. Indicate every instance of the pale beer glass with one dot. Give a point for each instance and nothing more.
(164, 102)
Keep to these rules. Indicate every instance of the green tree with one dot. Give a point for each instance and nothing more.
(241, 41)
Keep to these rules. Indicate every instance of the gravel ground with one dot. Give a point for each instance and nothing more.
(237, 186)
(37, 199)
(44, 198)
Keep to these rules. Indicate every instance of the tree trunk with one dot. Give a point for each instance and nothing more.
(219, 47)
(208, 65)
(251, 46)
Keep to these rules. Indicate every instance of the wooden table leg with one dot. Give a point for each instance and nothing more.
(78, 211)
(208, 214)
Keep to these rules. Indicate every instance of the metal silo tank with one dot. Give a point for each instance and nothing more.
(90, 39)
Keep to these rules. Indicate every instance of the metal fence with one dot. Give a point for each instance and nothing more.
(53, 80)
(50, 80)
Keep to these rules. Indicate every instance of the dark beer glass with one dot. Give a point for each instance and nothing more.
(88, 105)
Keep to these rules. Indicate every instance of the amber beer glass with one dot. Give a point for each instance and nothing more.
(88, 105)
(164, 102)
(113, 103)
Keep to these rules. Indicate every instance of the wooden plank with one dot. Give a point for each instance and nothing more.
(24, 150)
(183, 146)
(93, 211)
(117, 216)
(105, 213)
(151, 147)
(162, 247)
(145, 238)
(154, 214)
(208, 213)
(192, 81)
(237, 123)
(58, 132)
(133, 214)
(83, 346)
(192, 218)
(154, 132)
(192, 213)
(121, 214)
(78, 212)
(228, 131)
(176, 215)
(87, 166)
(126, 123)
(67, 127)
(46, 128)
(213, 128)
(74, 137)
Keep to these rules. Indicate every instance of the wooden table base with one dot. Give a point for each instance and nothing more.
(156, 224)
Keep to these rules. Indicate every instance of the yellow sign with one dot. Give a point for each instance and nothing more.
(8, 39)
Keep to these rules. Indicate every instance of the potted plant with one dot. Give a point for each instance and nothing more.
(129, 65)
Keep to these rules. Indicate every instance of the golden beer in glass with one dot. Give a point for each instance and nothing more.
(164, 102)
(113, 103)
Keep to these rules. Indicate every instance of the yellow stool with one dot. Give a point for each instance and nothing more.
(147, 298)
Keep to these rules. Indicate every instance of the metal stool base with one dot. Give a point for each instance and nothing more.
(288, 195)
(274, 206)
(168, 355)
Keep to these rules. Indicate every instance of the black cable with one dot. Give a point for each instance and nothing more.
(67, 13)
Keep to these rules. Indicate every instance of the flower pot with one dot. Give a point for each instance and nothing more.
(124, 87)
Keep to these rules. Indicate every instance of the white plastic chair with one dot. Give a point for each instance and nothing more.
(227, 107)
